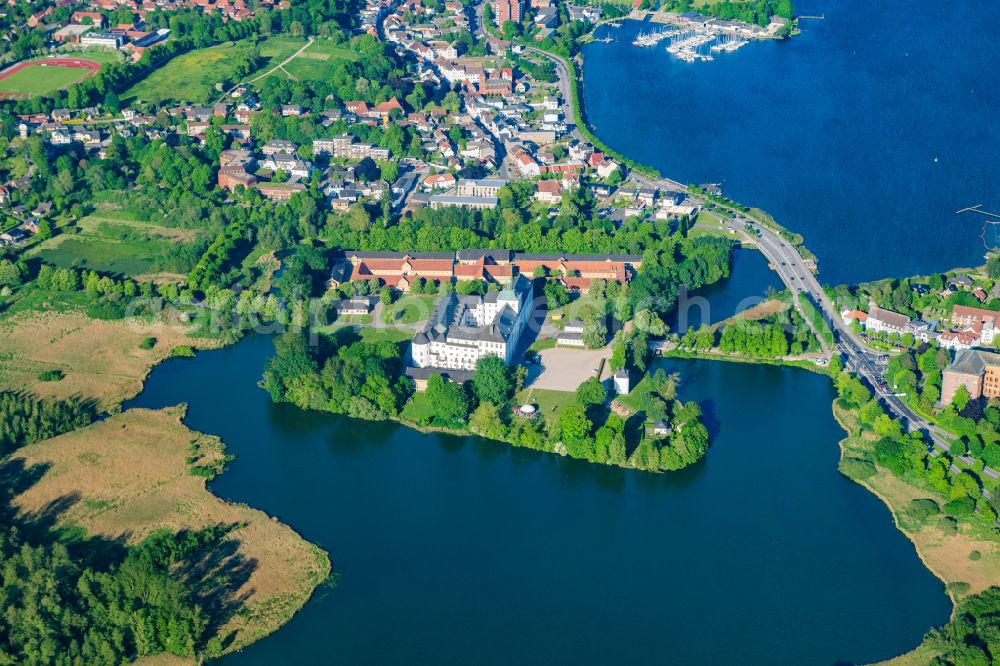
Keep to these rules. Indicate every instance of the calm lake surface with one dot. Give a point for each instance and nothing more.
(865, 133)
(748, 284)
(455, 550)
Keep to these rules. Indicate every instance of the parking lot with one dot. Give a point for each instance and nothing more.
(563, 368)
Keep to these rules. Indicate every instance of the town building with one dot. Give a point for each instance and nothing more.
(449, 200)
(278, 146)
(280, 191)
(507, 10)
(978, 371)
(346, 146)
(880, 319)
(398, 269)
(71, 33)
(464, 329)
(980, 321)
(109, 40)
(549, 191)
(486, 187)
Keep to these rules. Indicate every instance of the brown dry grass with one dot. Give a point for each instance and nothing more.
(100, 359)
(945, 554)
(762, 311)
(161, 278)
(128, 476)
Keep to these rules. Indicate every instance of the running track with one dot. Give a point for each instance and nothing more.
(89, 65)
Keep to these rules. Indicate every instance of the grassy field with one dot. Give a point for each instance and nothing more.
(100, 359)
(129, 475)
(110, 244)
(350, 331)
(418, 409)
(315, 63)
(93, 53)
(548, 402)
(579, 308)
(192, 76)
(409, 309)
(40, 80)
(766, 309)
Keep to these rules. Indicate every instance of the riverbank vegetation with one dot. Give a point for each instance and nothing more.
(938, 502)
(908, 456)
(770, 333)
(756, 12)
(968, 639)
(100, 360)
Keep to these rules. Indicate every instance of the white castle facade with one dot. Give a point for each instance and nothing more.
(463, 329)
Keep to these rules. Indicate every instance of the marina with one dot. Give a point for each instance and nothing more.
(688, 44)
(654, 38)
(728, 43)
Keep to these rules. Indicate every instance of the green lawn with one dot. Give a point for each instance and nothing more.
(351, 328)
(192, 76)
(636, 398)
(370, 334)
(548, 402)
(96, 54)
(409, 309)
(579, 308)
(121, 247)
(542, 343)
(419, 409)
(40, 79)
(316, 62)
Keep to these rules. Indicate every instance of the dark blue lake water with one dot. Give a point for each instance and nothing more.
(865, 133)
(748, 285)
(461, 551)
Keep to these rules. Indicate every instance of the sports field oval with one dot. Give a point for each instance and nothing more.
(39, 77)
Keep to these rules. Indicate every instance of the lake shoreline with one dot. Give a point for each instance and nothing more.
(360, 444)
(577, 87)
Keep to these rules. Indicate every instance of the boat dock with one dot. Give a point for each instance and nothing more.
(686, 46)
(728, 43)
(654, 38)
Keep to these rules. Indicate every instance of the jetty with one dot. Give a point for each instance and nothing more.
(686, 45)
(654, 38)
(728, 43)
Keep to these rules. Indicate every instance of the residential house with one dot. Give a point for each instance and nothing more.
(549, 191)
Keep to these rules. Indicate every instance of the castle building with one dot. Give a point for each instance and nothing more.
(464, 329)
